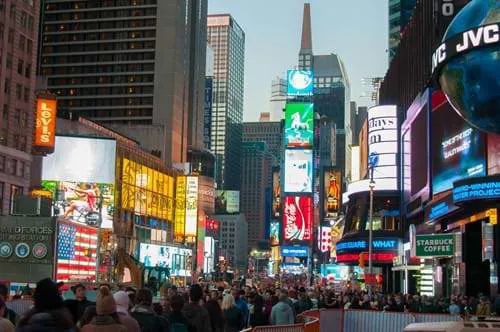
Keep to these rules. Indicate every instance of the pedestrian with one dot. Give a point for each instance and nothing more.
(258, 316)
(7, 313)
(454, 308)
(304, 303)
(5, 324)
(282, 313)
(215, 313)
(176, 320)
(122, 309)
(88, 315)
(78, 305)
(233, 318)
(241, 304)
(48, 313)
(144, 314)
(106, 320)
(195, 313)
(483, 308)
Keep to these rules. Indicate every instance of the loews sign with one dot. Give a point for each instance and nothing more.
(45, 131)
(436, 245)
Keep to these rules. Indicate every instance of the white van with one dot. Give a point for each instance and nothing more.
(469, 326)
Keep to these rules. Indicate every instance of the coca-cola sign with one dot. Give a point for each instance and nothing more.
(297, 218)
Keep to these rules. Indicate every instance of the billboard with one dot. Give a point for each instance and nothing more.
(81, 159)
(332, 193)
(295, 251)
(493, 154)
(45, 128)
(191, 206)
(274, 236)
(76, 252)
(458, 149)
(178, 260)
(276, 213)
(227, 201)
(299, 125)
(325, 238)
(26, 248)
(300, 82)
(146, 191)
(180, 208)
(297, 218)
(298, 171)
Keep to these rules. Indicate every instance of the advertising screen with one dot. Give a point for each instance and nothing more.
(458, 150)
(191, 206)
(76, 252)
(275, 233)
(297, 218)
(80, 159)
(493, 154)
(300, 82)
(276, 193)
(175, 258)
(298, 171)
(332, 193)
(227, 201)
(299, 125)
(180, 208)
(295, 251)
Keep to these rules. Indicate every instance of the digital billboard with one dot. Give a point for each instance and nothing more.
(227, 201)
(325, 238)
(276, 213)
(191, 206)
(493, 154)
(274, 236)
(297, 218)
(146, 191)
(298, 171)
(178, 260)
(45, 128)
(332, 193)
(180, 208)
(458, 149)
(299, 125)
(300, 82)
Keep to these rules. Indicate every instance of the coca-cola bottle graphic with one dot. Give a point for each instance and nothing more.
(294, 219)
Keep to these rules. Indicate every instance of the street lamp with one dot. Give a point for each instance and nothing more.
(373, 159)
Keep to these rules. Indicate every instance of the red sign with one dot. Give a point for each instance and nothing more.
(379, 257)
(370, 278)
(212, 227)
(297, 218)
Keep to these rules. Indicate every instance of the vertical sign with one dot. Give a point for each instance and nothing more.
(207, 112)
(45, 131)
(332, 194)
(180, 208)
(191, 206)
(297, 218)
(276, 193)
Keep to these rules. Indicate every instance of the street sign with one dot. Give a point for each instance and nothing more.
(373, 159)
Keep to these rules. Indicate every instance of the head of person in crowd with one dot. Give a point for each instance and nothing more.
(80, 292)
(144, 297)
(195, 293)
(26, 292)
(172, 290)
(228, 302)
(122, 302)
(177, 303)
(292, 294)
(235, 293)
(4, 292)
(105, 302)
(47, 297)
(214, 295)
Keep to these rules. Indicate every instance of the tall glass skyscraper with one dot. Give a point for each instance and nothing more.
(400, 12)
(227, 40)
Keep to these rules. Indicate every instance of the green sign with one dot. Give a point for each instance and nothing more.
(299, 125)
(437, 245)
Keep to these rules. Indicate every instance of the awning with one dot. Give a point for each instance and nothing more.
(406, 268)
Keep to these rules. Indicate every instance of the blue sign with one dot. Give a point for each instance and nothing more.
(373, 159)
(301, 251)
(483, 188)
(300, 83)
(360, 245)
(439, 210)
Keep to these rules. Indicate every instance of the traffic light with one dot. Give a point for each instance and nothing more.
(361, 260)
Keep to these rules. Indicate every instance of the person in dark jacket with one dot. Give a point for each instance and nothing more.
(195, 313)
(78, 305)
(8, 313)
(49, 313)
(304, 303)
(143, 312)
(176, 320)
(215, 313)
(258, 316)
(233, 318)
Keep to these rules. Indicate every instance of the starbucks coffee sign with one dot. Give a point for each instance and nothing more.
(435, 245)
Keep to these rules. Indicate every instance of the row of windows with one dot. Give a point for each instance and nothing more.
(99, 69)
(119, 90)
(66, 5)
(100, 25)
(14, 191)
(22, 68)
(115, 79)
(19, 117)
(119, 113)
(98, 36)
(92, 58)
(15, 141)
(115, 46)
(12, 166)
(22, 93)
(99, 14)
(129, 101)
(25, 44)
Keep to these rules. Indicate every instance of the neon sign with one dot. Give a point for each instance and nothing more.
(294, 251)
(381, 244)
(483, 189)
(377, 257)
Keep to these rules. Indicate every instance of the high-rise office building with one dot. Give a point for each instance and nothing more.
(18, 49)
(331, 91)
(279, 97)
(137, 67)
(227, 40)
(400, 12)
(234, 239)
(268, 132)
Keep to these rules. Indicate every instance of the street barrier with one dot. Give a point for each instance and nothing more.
(280, 328)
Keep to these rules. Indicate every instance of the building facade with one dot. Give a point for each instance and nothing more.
(278, 99)
(268, 132)
(18, 47)
(234, 239)
(138, 68)
(227, 40)
(400, 12)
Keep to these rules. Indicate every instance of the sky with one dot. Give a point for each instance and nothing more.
(356, 30)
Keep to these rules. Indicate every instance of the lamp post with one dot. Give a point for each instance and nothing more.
(372, 162)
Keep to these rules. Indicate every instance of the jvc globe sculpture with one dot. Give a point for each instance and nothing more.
(471, 81)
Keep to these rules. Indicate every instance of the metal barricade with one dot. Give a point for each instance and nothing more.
(280, 328)
(375, 321)
(428, 318)
(331, 320)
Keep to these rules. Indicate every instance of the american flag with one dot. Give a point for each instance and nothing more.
(76, 252)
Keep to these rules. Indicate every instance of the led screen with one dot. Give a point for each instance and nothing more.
(298, 171)
(332, 192)
(300, 82)
(227, 201)
(275, 233)
(178, 260)
(80, 159)
(458, 150)
(297, 218)
(276, 193)
(299, 125)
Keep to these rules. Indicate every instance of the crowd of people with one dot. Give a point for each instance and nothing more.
(201, 307)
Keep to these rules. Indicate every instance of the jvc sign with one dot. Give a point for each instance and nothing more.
(436, 245)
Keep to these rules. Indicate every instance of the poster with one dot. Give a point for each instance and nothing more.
(332, 193)
(297, 218)
(299, 125)
(298, 171)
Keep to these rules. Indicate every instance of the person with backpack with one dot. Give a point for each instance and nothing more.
(144, 314)
(176, 320)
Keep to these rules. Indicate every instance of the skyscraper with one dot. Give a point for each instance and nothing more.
(18, 45)
(400, 12)
(278, 98)
(137, 67)
(227, 40)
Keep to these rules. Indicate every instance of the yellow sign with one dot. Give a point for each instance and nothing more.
(41, 193)
(180, 208)
(492, 213)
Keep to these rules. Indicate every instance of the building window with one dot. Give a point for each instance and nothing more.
(27, 72)
(8, 63)
(21, 168)
(19, 91)
(20, 67)
(23, 144)
(13, 167)
(7, 86)
(10, 36)
(22, 42)
(3, 137)
(5, 114)
(2, 163)
(26, 94)
(17, 116)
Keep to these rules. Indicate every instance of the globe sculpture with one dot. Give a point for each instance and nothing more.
(471, 81)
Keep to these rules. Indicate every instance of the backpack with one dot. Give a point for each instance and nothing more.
(178, 327)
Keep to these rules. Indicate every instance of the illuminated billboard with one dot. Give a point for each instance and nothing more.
(227, 201)
(300, 82)
(299, 125)
(332, 193)
(191, 206)
(325, 238)
(147, 192)
(297, 218)
(45, 128)
(298, 171)
(275, 233)
(458, 149)
(276, 193)
(178, 260)
(180, 208)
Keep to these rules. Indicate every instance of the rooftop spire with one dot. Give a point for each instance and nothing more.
(306, 42)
